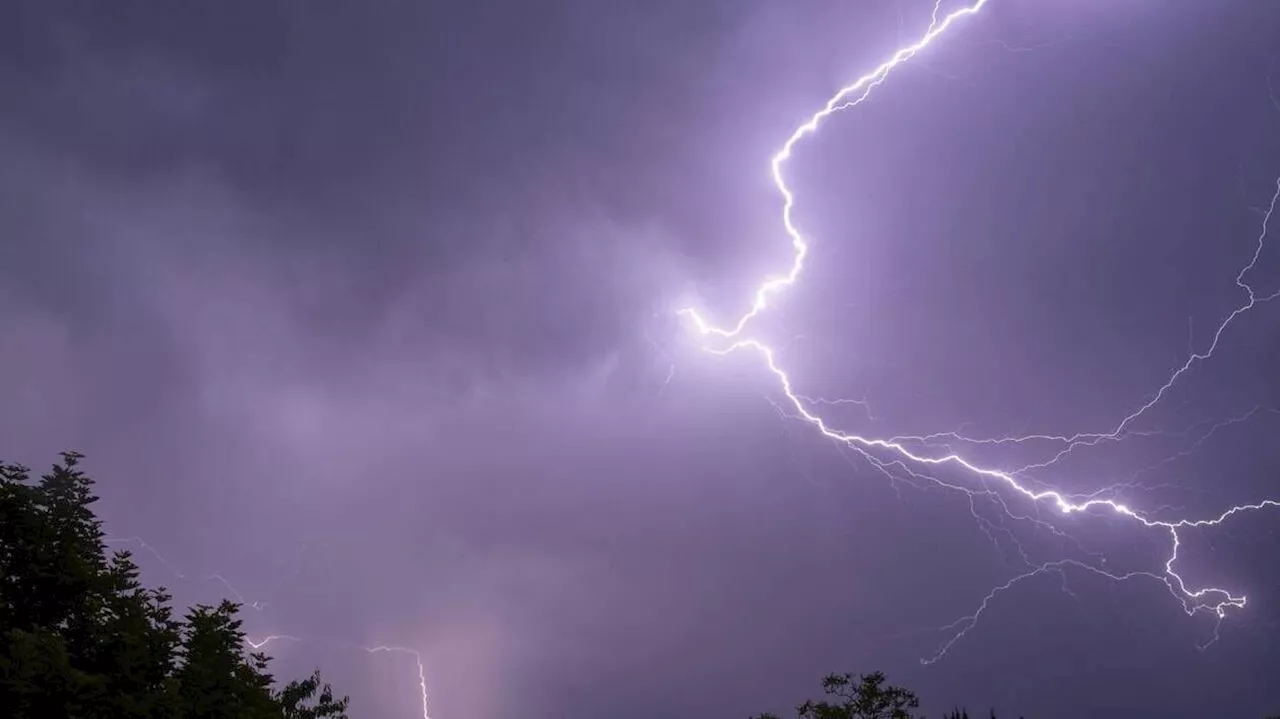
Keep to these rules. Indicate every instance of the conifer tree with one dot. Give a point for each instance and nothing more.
(80, 636)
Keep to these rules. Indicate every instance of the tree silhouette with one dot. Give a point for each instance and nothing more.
(81, 637)
(294, 697)
(867, 698)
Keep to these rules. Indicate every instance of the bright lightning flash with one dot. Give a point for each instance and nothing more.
(422, 673)
(731, 339)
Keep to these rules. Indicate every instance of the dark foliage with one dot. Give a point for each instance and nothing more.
(81, 637)
(867, 697)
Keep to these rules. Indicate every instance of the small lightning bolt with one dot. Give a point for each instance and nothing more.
(417, 657)
(257, 644)
(138, 541)
(422, 673)
(896, 453)
(260, 643)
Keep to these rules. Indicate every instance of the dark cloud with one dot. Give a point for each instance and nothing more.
(368, 309)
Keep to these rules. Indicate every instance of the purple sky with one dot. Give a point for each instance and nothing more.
(368, 309)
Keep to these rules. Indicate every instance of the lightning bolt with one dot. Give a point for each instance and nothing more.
(383, 648)
(417, 657)
(260, 643)
(139, 542)
(257, 644)
(902, 453)
(422, 673)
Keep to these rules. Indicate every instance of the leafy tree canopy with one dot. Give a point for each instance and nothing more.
(81, 637)
(864, 697)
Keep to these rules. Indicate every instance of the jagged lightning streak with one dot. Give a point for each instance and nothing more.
(848, 96)
(138, 541)
(382, 648)
(422, 672)
(257, 644)
(1089, 439)
(1211, 599)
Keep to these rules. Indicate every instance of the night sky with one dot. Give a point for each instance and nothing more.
(369, 309)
